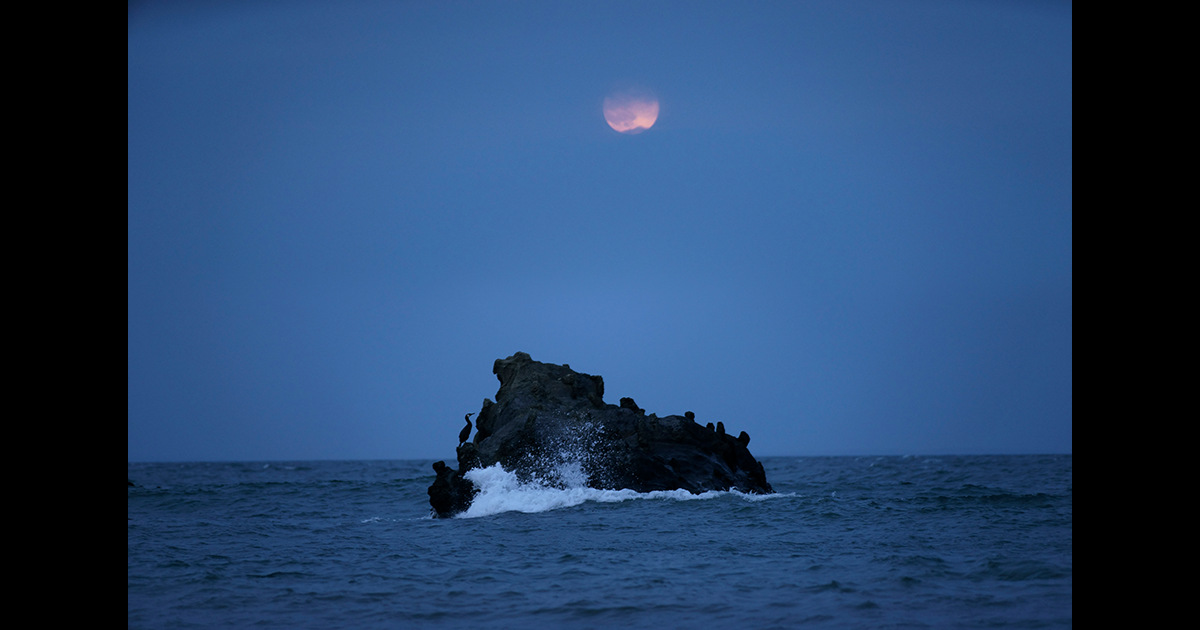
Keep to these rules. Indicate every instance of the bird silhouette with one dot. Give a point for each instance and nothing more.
(466, 432)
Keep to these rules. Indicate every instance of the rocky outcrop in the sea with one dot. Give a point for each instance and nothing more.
(549, 418)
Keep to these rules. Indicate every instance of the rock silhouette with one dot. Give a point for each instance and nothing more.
(548, 415)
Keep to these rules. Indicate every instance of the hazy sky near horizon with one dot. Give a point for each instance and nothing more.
(849, 231)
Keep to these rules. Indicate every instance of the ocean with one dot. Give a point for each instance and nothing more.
(846, 542)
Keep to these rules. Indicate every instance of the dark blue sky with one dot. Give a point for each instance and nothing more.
(849, 231)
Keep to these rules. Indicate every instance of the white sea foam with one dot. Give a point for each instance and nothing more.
(501, 491)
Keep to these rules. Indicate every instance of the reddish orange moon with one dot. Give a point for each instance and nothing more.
(630, 113)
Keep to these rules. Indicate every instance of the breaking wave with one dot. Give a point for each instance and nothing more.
(565, 486)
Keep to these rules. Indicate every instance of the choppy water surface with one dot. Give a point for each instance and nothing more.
(847, 542)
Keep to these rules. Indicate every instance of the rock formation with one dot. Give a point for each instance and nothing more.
(546, 416)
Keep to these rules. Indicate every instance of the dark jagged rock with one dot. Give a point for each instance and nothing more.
(627, 403)
(483, 424)
(450, 493)
(548, 415)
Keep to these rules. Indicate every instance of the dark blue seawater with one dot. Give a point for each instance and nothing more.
(848, 542)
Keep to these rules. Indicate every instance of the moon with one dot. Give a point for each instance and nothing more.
(630, 112)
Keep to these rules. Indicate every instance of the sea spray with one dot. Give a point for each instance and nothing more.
(502, 491)
(569, 451)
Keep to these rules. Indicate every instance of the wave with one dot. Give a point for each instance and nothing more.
(501, 491)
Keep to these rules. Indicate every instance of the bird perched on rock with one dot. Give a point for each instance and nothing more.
(466, 432)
